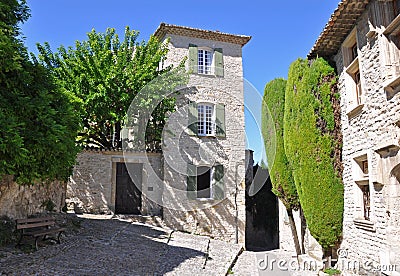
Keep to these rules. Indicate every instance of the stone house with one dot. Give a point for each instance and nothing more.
(197, 183)
(362, 39)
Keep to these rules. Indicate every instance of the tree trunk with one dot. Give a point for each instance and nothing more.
(303, 229)
(294, 232)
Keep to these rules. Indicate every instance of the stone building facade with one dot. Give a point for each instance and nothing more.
(362, 40)
(93, 185)
(197, 183)
(204, 141)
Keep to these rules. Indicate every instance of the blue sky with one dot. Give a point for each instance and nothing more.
(281, 31)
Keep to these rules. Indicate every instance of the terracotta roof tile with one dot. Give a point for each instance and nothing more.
(164, 29)
(338, 27)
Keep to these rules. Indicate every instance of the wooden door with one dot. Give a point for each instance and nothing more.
(128, 199)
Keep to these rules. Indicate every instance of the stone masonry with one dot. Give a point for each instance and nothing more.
(20, 201)
(370, 104)
(92, 187)
(222, 219)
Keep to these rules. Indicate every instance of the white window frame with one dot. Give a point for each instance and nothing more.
(202, 119)
(212, 169)
(203, 68)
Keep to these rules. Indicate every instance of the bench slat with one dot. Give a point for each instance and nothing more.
(35, 225)
(44, 232)
(31, 220)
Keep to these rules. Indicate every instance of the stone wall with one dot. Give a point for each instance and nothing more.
(311, 247)
(223, 219)
(20, 201)
(370, 133)
(92, 186)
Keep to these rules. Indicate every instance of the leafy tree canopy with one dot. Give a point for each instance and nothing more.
(105, 74)
(38, 125)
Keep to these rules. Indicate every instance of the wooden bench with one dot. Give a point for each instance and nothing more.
(38, 227)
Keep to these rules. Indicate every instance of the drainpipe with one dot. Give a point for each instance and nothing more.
(236, 205)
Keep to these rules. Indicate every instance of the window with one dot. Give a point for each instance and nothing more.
(205, 182)
(354, 93)
(354, 52)
(361, 178)
(392, 53)
(364, 167)
(204, 61)
(357, 80)
(366, 201)
(350, 48)
(206, 120)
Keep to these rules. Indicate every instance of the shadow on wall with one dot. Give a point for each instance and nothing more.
(221, 219)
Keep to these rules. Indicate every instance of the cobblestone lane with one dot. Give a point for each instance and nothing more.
(116, 247)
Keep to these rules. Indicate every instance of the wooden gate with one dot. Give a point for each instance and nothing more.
(128, 198)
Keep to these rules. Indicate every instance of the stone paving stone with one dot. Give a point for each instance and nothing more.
(221, 255)
(107, 246)
(266, 263)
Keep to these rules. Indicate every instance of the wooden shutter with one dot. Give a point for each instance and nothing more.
(193, 58)
(220, 120)
(219, 62)
(192, 118)
(191, 181)
(218, 185)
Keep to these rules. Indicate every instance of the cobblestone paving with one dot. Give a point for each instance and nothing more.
(119, 247)
(265, 263)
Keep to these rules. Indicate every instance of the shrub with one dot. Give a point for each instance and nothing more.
(7, 235)
(312, 141)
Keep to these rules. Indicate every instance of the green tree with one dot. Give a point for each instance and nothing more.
(280, 172)
(38, 125)
(105, 74)
(312, 139)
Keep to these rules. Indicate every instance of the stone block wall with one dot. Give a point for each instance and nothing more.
(20, 201)
(92, 186)
(370, 132)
